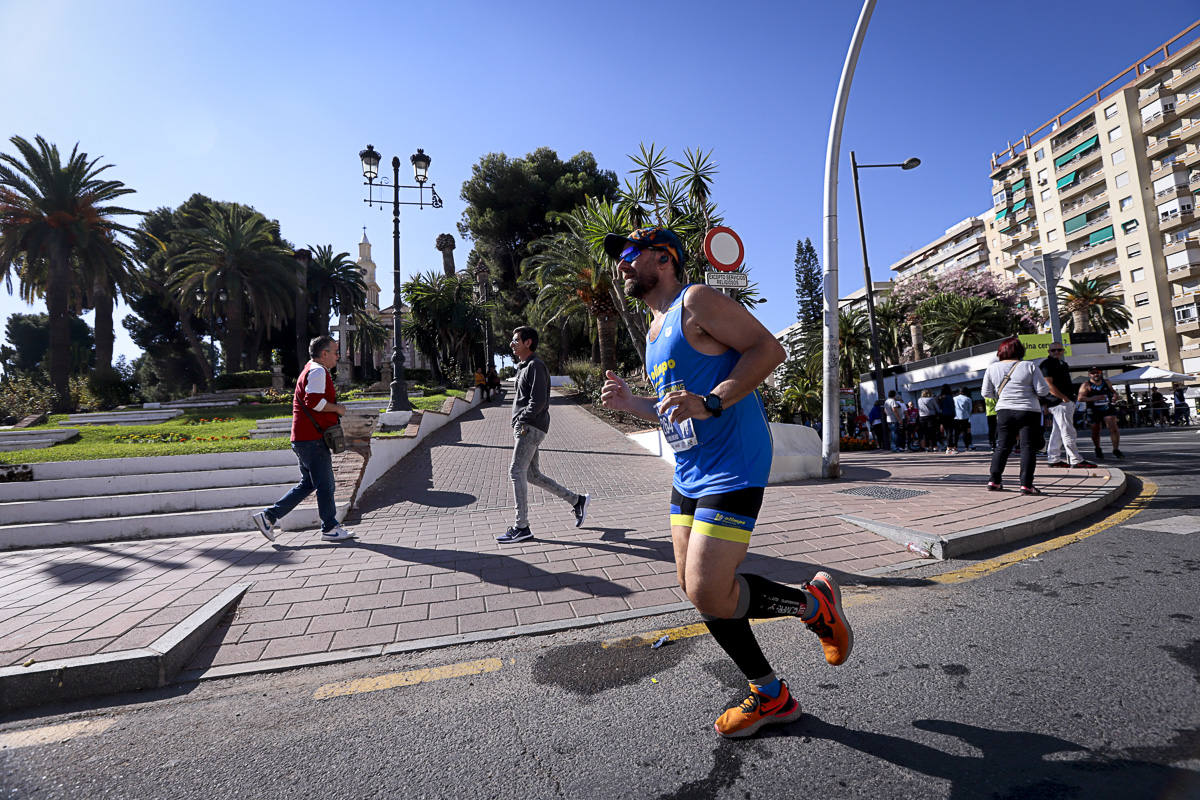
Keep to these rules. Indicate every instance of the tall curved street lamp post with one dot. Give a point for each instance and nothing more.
(370, 168)
(876, 367)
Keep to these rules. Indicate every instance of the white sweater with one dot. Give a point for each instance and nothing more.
(1022, 390)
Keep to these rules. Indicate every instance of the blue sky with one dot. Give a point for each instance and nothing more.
(268, 103)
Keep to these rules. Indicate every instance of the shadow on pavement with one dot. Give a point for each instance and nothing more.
(1014, 764)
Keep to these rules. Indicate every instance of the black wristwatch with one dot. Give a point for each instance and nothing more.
(713, 404)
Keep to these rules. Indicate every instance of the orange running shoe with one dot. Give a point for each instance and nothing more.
(757, 710)
(829, 623)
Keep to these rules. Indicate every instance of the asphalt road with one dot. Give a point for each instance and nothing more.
(1069, 668)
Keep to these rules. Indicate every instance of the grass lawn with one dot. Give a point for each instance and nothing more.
(201, 430)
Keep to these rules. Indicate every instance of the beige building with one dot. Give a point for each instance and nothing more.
(1113, 180)
(963, 246)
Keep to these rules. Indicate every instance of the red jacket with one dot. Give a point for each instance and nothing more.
(314, 390)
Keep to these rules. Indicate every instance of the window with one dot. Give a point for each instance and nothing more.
(1118, 156)
(1045, 195)
(1141, 299)
(1110, 111)
(1039, 154)
(1052, 236)
(1134, 249)
(1121, 180)
(1146, 324)
(999, 198)
(1048, 215)
(1042, 175)
(1131, 225)
(1126, 202)
(1185, 313)
(1148, 346)
(1136, 275)
(1114, 134)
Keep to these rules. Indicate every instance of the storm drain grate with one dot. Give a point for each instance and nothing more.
(884, 492)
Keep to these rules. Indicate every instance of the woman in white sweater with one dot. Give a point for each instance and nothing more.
(1015, 385)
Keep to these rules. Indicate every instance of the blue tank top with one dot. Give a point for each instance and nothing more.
(733, 450)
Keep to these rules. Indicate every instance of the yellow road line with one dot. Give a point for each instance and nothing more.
(408, 678)
(54, 734)
(1149, 489)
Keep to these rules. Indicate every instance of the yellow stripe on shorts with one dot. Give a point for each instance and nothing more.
(682, 519)
(725, 532)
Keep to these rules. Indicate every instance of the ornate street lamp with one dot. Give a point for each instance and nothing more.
(370, 169)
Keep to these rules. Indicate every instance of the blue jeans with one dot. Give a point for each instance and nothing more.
(895, 430)
(316, 472)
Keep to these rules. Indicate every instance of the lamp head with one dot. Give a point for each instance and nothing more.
(370, 163)
(420, 163)
(911, 163)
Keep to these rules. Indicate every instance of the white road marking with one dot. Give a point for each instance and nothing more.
(1182, 524)
(54, 734)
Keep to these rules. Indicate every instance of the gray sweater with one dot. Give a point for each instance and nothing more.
(531, 405)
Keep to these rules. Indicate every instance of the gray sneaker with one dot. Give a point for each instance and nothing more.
(514, 535)
(264, 524)
(581, 506)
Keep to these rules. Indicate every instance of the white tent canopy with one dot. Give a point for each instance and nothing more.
(1151, 374)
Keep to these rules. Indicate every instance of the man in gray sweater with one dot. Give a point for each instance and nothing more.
(531, 422)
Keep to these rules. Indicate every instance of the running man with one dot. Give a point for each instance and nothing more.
(705, 356)
(1099, 395)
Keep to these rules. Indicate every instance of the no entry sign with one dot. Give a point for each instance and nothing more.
(723, 248)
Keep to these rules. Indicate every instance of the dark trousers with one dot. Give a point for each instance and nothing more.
(962, 427)
(1011, 427)
(991, 420)
(316, 473)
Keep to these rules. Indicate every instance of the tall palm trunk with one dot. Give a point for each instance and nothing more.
(103, 301)
(1080, 318)
(918, 339)
(197, 348)
(606, 333)
(235, 332)
(57, 301)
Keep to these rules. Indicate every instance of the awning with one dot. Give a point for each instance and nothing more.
(1002, 214)
(1018, 185)
(1018, 206)
(1074, 151)
(1102, 235)
(1074, 223)
(1066, 180)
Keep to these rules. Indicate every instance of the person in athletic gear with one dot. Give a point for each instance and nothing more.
(1100, 397)
(705, 356)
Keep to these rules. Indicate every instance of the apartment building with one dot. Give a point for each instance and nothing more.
(963, 246)
(1113, 181)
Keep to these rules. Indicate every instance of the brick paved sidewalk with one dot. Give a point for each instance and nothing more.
(426, 564)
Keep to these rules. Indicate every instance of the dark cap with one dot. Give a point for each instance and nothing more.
(655, 237)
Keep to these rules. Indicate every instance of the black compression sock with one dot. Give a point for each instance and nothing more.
(765, 598)
(737, 640)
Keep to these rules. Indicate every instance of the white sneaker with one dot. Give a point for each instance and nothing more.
(264, 525)
(337, 534)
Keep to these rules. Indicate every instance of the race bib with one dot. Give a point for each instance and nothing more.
(680, 435)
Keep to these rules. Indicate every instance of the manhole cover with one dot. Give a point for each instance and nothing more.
(884, 492)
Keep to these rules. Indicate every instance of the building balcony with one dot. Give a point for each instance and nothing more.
(1084, 204)
(1179, 190)
(1080, 161)
(1161, 145)
(1106, 267)
(1189, 74)
(1189, 103)
(1181, 243)
(1061, 145)
(1079, 187)
(1086, 251)
(1014, 163)
(1118, 338)
(1175, 219)
(1167, 167)
(1148, 96)
(1185, 271)
(1187, 326)
(1092, 223)
(1157, 120)
(1191, 159)
(1184, 299)
(1191, 132)
(1026, 233)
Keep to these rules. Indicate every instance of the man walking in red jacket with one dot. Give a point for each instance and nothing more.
(313, 405)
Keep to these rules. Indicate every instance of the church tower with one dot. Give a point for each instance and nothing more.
(367, 267)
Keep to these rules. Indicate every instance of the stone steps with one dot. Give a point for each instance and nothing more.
(36, 438)
(143, 417)
(100, 506)
(111, 485)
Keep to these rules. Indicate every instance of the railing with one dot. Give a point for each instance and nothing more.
(1084, 248)
(1058, 145)
(1149, 94)
(1083, 201)
(1091, 152)
(1171, 190)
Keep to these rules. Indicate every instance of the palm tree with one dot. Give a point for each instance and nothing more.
(890, 322)
(854, 347)
(571, 281)
(236, 250)
(952, 322)
(53, 215)
(444, 318)
(337, 284)
(1094, 305)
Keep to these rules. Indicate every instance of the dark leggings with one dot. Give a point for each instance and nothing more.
(991, 421)
(1011, 426)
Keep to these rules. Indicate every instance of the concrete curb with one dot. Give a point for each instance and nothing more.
(985, 536)
(112, 673)
(431, 643)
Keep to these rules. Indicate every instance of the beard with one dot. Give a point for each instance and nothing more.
(639, 286)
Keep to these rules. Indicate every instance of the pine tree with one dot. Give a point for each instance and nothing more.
(809, 285)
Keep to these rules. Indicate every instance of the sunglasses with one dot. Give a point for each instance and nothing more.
(1056, 350)
(630, 254)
